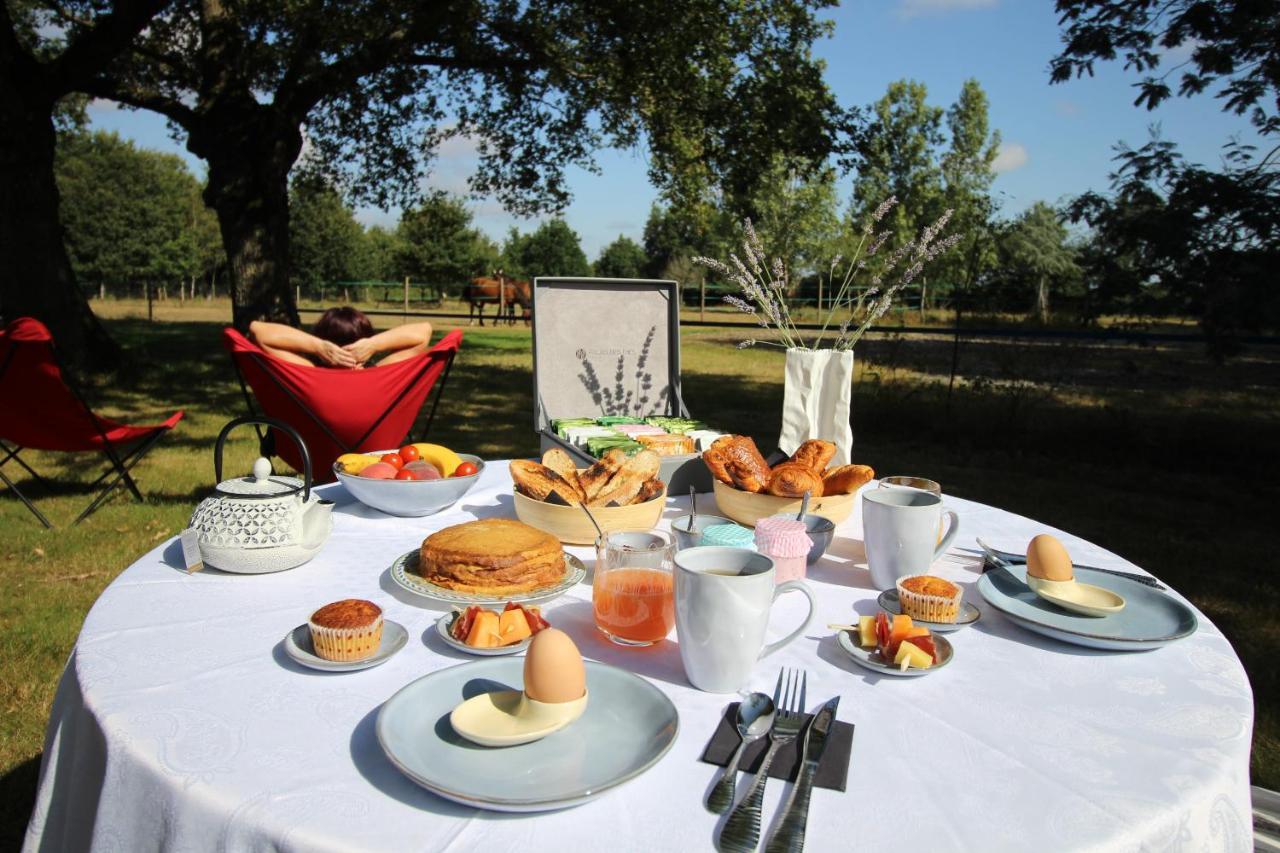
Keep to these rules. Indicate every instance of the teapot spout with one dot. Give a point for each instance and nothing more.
(317, 522)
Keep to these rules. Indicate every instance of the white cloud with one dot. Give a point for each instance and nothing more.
(1066, 108)
(1012, 155)
(921, 8)
(102, 105)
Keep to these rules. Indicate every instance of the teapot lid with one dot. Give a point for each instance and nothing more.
(260, 484)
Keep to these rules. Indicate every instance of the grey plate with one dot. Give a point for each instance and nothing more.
(628, 726)
(442, 628)
(402, 573)
(968, 614)
(1149, 620)
(410, 498)
(870, 658)
(297, 645)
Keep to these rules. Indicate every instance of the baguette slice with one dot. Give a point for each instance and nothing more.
(600, 473)
(542, 484)
(626, 484)
(560, 462)
(650, 490)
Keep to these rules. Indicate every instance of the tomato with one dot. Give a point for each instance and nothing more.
(406, 474)
(409, 453)
(393, 459)
(466, 469)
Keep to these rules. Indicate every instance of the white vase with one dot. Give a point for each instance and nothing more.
(816, 401)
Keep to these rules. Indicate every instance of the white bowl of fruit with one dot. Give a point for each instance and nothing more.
(416, 480)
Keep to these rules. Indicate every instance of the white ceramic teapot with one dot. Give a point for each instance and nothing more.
(261, 523)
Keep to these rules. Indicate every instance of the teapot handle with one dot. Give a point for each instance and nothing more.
(274, 424)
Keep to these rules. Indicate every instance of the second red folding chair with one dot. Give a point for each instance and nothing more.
(43, 411)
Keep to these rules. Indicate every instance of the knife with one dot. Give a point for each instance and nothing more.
(1019, 560)
(789, 836)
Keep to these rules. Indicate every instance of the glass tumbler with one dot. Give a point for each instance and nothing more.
(632, 592)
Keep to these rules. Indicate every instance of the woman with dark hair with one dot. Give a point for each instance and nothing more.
(342, 337)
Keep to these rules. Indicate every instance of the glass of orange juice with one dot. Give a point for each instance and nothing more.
(631, 594)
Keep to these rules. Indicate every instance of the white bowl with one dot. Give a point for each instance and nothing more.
(410, 498)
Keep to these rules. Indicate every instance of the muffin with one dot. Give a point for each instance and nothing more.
(347, 630)
(929, 598)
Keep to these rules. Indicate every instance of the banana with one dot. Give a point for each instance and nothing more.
(354, 463)
(444, 459)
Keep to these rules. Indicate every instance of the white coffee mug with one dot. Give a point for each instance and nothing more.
(723, 598)
(900, 531)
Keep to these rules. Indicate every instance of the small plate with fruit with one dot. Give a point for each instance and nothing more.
(967, 616)
(895, 646)
(416, 480)
(479, 631)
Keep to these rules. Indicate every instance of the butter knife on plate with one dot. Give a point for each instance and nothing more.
(788, 837)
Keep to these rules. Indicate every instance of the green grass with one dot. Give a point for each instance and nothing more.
(1155, 453)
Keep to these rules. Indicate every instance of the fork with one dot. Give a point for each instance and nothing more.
(741, 831)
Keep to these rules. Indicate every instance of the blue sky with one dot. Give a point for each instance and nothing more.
(1057, 139)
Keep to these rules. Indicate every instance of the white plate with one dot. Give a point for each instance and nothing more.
(297, 645)
(870, 658)
(968, 614)
(442, 628)
(629, 724)
(575, 571)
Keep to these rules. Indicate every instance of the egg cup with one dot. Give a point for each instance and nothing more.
(510, 717)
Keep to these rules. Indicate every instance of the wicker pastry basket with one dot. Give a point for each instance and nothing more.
(571, 526)
(749, 507)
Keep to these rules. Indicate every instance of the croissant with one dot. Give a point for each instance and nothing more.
(846, 479)
(814, 453)
(745, 465)
(792, 480)
(716, 461)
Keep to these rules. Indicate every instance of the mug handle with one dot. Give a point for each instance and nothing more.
(952, 529)
(792, 586)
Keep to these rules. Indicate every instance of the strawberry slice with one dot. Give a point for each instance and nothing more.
(926, 644)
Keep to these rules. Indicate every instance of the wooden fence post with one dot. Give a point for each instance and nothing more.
(406, 298)
(702, 300)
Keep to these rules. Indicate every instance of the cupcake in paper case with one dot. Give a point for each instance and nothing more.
(929, 598)
(787, 542)
(347, 630)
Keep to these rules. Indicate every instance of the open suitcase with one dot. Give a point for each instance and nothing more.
(610, 348)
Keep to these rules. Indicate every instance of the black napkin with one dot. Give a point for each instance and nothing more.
(833, 767)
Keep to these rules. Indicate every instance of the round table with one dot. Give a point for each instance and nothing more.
(180, 724)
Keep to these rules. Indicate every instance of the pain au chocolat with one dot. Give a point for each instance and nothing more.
(492, 556)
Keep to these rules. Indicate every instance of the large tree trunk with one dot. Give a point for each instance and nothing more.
(250, 150)
(36, 279)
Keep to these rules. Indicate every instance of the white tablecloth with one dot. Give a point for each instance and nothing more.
(181, 725)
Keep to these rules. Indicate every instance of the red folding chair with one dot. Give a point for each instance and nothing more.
(43, 411)
(340, 411)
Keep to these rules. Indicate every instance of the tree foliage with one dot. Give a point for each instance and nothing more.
(623, 258)
(1033, 249)
(131, 215)
(438, 245)
(325, 241)
(552, 249)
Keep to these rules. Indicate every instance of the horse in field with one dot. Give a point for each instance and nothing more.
(500, 290)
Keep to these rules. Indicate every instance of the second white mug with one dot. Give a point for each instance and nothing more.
(723, 600)
(900, 532)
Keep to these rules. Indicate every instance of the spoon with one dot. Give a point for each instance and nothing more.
(594, 523)
(693, 507)
(804, 507)
(755, 716)
(1083, 598)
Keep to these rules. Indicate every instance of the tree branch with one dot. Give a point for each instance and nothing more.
(170, 108)
(91, 50)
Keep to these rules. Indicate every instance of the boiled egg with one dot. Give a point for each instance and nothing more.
(553, 668)
(1048, 559)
